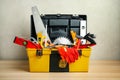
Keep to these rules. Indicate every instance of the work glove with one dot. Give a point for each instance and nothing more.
(68, 54)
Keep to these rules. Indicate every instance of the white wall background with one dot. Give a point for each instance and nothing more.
(103, 20)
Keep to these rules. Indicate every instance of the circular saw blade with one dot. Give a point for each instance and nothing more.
(62, 41)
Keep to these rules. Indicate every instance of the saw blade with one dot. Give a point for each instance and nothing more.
(62, 41)
(39, 27)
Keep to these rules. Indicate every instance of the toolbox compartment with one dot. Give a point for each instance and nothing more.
(49, 61)
(64, 22)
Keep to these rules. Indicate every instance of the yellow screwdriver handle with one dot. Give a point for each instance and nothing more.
(40, 38)
(74, 36)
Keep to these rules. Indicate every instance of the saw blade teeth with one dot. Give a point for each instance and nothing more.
(62, 40)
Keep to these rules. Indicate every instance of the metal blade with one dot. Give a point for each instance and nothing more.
(62, 40)
(38, 22)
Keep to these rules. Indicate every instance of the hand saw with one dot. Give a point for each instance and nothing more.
(39, 27)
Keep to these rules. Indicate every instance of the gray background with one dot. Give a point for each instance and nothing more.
(103, 20)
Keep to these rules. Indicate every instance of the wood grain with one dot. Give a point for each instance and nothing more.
(98, 70)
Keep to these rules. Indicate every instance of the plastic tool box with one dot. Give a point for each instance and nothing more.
(49, 60)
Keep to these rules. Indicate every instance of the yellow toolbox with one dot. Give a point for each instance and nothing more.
(58, 43)
(48, 60)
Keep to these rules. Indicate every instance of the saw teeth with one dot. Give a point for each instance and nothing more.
(62, 40)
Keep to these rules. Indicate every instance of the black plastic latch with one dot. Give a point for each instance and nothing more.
(39, 53)
(80, 52)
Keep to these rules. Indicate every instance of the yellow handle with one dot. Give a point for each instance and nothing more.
(40, 38)
(74, 36)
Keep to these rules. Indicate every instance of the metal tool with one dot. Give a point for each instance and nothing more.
(89, 37)
(62, 40)
(39, 27)
(33, 40)
(83, 30)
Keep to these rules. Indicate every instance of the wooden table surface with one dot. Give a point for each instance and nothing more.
(98, 70)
